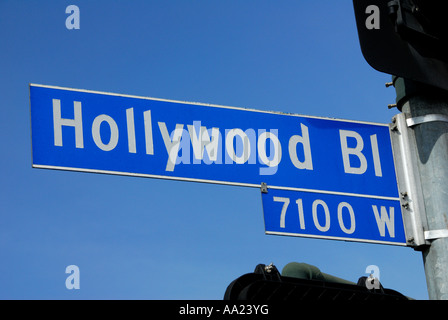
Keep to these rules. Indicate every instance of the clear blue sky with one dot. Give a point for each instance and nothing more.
(138, 238)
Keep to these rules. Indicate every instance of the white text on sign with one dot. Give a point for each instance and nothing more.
(211, 145)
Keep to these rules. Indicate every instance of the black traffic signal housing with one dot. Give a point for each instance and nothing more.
(267, 284)
(405, 38)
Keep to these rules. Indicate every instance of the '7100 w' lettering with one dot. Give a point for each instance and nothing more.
(332, 216)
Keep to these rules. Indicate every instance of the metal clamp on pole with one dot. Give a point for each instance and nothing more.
(436, 234)
(264, 187)
(426, 118)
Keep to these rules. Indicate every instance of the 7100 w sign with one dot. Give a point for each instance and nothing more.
(332, 216)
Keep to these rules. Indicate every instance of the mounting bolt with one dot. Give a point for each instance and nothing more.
(394, 127)
(269, 267)
(264, 187)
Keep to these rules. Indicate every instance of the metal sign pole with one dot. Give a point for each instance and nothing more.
(426, 111)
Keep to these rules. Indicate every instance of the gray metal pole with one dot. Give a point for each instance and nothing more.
(427, 108)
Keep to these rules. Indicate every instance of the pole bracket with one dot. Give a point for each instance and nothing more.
(426, 118)
(409, 184)
(264, 187)
(436, 234)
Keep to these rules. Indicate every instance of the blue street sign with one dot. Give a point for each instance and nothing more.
(333, 216)
(101, 132)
